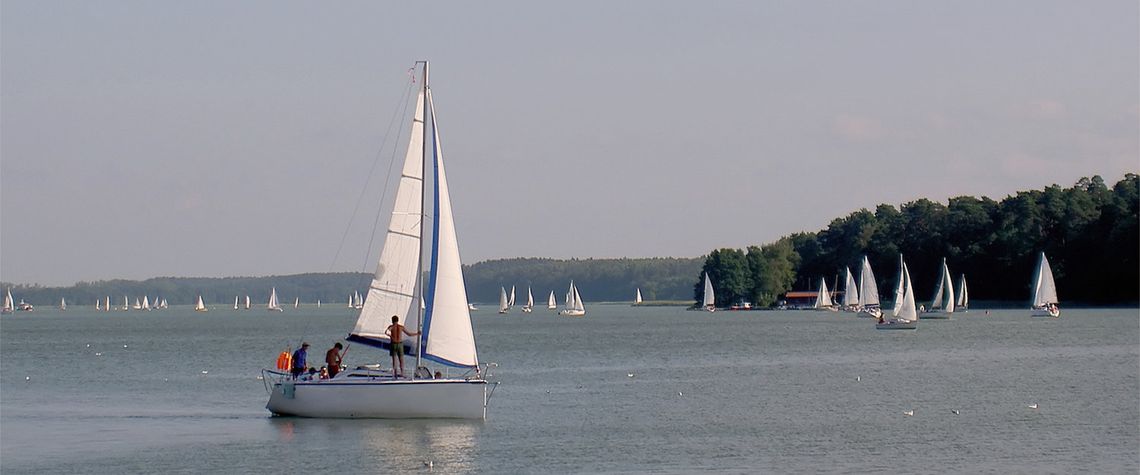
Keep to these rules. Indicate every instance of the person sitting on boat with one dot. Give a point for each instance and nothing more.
(332, 359)
(299, 365)
(396, 334)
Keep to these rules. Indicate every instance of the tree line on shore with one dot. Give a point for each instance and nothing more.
(1089, 232)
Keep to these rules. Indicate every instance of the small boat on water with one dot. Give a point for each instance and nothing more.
(420, 220)
(504, 301)
(963, 303)
(236, 302)
(942, 304)
(200, 306)
(9, 303)
(708, 302)
(904, 316)
(273, 305)
(62, 303)
(637, 297)
(850, 293)
(868, 292)
(529, 307)
(574, 306)
(1045, 300)
(823, 298)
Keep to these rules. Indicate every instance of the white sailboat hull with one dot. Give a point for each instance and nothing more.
(374, 398)
(870, 312)
(896, 325)
(572, 313)
(1045, 312)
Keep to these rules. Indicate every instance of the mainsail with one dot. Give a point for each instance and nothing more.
(1044, 289)
(868, 288)
(446, 334)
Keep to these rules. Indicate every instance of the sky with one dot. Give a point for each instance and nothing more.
(236, 138)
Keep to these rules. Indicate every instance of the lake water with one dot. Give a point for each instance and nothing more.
(745, 392)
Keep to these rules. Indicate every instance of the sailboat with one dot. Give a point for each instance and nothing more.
(868, 291)
(126, 306)
(62, 304)
(1044, 290)
(274, 305)
(235, 302)
(98, 305)
(574, 307)
(247, 305)
(850, 293)
(823, 298)
(709, 302)
(446, 336)
(905, 315)
(942, 304)
(551, 303)
(200, 306)
(107, 304)
(145, 303)
(963, 295)
(504, 302)
(297, 302)
(9, 303)
(529, 307)
(359, 303)
(637, 297)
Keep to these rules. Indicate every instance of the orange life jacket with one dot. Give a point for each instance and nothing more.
(284, 361)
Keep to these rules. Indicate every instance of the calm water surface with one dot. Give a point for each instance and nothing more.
(784, 392)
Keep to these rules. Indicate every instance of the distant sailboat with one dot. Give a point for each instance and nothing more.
(942, 304)
(200, 306)
(126, 305)
(1044, 290)
(98, 305)
(529, 307)
(551, 303)
(637, 297)
(963, 295)
(297, 302)
(137, 305)
(273, 305)
(145, 303)
(709, 302)
(107, 304)
(511, 300)
(504, 302)
(905, 315)
(823, 297)
(9, 303)
(868, 291)
(235, 302)
(850, 293)
(574, 306)
(62, 304)
(247, 305)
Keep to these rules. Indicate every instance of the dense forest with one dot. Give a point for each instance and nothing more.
(1089, 232)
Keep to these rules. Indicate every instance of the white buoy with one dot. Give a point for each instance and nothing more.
(89, 345)
(27, 378)
(630, 375)
(857, 378)
(955, 411)
(124, 346)
(98, 354)
(205, 372)
(679, 393)
(1033, 406)
(909, 413)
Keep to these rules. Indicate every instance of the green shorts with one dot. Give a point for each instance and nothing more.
(396, 348)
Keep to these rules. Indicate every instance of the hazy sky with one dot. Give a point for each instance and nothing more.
(153, 138)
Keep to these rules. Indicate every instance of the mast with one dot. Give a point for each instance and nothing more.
(423, 213)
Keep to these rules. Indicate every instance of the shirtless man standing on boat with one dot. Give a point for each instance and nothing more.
(395, 333)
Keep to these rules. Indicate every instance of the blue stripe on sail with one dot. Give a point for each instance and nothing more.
(378, 343)
(433, 272)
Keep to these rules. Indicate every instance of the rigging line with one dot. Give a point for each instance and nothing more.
(387, 182)
(396, 113)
